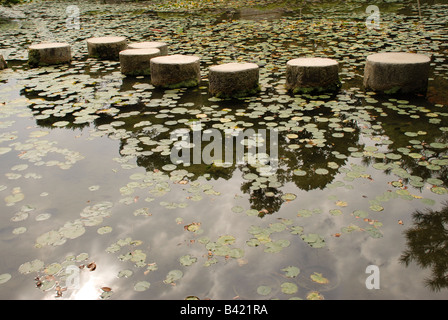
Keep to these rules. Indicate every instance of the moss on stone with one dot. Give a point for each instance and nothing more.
(34, 58)
(317, 90)
(238, 94)
(183, 84)
(136, 73)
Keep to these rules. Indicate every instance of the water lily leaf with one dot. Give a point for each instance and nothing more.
(187, 260)
(225, 239)
(53, 268)
(376, 207)
(104, 230)
(439, 190)
(296, 230)
(289, 196)
(142, 286)
(341, 203)
(125, 273)
(32, 266)
(374, 232)
(276, 246)
(264, 290)
(237, 209)
(317, 277)
(289, 288)
(322, 171)
(277, 227)
(173, 276)
(335, 212)
(291, 271)
(49, 238)
(314, 295)
(5, 277)
(314, 240)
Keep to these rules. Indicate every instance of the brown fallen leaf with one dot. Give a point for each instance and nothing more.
(92, 266)
(59, 291)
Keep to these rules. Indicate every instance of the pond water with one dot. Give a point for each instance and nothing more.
(92, 206)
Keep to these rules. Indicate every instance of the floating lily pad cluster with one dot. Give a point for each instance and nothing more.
(90, 216)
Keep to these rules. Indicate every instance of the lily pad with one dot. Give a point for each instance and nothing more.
(317, 277)
(142, 286)
(291, 271)
(264, 290)
(314, 240)
(104, 230)
(173, 276)
(5, 277)
(289, 288)
(187, 260)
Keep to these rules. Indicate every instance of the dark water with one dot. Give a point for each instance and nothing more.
(361, 179)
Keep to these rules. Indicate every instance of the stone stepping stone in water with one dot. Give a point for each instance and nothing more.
(106, 48)
(312, 75)
(175, 71)
(397, 72)
(162, 46)
(234, 80)
(137, 62)
(3, 64)
(49, 53)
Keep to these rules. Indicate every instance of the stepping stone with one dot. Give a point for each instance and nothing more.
(397, 72)
(106, 48)
(312, 75)
(49, 53)
(136, 62)
(233, 80)
(162, 46)
(175, 71)
(3, 64)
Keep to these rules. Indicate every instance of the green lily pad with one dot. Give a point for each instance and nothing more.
(32, 266)
(322, 171)
(314, 240)
(125, 273)
(289, 288)
(439, 190)
(291, 271)
(5, 277)
(376, 207)
(317, 277)
(173, 276)
(237, 209)
(104, 230)
(225, 239)
(187, 260)
(142, 286)
(264, 290)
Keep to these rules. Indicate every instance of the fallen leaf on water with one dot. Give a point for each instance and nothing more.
(59, 291)
(341, 203)
(92, 266)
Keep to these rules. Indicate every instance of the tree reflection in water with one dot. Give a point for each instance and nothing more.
(427, 243)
